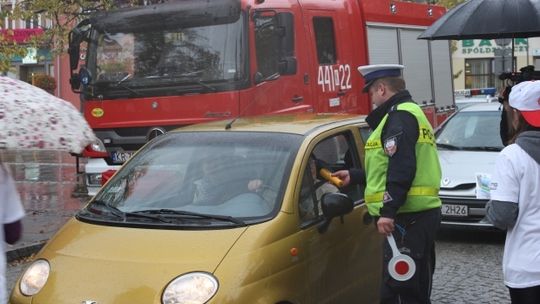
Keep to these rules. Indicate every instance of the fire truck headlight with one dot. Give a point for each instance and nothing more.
(35, 277)
(194, 287)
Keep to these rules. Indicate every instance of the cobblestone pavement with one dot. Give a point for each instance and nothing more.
(468, 268)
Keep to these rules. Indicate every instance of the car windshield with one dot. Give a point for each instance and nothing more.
(209, 53)
(468, 130)
(201, 179)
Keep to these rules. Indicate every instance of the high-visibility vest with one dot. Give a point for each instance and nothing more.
(424, 192)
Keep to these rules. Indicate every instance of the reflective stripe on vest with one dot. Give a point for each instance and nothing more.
(419, 191)
(423, 194)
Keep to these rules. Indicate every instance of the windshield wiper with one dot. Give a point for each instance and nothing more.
(128, 76)
(203, 84)
(124, 215)
(112, 209)
(194, 214)
(194, 76)
(449, 147)
(123, 86)
(483, 148)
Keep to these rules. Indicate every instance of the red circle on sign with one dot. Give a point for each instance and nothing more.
(402, 267)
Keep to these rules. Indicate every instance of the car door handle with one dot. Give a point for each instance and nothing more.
(297, 98)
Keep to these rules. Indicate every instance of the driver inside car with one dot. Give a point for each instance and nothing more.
(223, 179)
(319, 187)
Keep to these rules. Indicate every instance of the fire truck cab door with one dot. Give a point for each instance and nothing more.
(280, 61)
(335, 77)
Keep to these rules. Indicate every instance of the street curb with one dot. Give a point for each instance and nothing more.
(23, 252)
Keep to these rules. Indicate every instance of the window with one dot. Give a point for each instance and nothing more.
(7, 8)
(266, 44)
(32, 23)
(333, 153)
(480, 73)
(325, 40)
(537, 63)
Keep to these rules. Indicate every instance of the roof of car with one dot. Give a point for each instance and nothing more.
(486, 106)
(297, 123)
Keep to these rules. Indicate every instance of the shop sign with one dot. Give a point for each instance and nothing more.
(31, 56)
(20, 35)
(488, 46)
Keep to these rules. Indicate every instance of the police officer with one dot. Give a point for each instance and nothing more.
(402, 178)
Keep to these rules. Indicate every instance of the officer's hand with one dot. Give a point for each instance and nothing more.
(344, 176)
(385, 225)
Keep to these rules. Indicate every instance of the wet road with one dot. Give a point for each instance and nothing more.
(48, 184)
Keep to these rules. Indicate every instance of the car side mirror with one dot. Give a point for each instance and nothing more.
(258, 78)
(334, 205)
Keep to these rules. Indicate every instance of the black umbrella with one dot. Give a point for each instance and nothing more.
(487, 19)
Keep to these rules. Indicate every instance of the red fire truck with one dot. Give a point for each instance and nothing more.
(154, 68)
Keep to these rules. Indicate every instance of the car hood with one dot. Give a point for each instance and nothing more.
(460, 167)
(126, 265)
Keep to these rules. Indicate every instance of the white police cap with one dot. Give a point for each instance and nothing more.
(375, 71)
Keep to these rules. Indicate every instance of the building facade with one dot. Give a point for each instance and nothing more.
(478, 63)
(37, 60)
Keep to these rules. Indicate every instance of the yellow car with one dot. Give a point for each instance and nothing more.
(225, 212)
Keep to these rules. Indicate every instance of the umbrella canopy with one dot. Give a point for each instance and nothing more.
(31, 118)
(487, 19)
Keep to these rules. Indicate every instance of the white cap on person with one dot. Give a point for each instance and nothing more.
(525, 97)
(375, 71)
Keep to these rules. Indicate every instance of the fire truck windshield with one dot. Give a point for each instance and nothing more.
(144, 62)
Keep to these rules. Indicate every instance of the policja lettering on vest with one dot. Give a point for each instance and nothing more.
(402, 178)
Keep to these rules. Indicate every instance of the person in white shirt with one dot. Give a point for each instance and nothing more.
(515, 195)
(11, 213)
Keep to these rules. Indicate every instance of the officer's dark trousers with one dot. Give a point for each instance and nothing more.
(417, 241)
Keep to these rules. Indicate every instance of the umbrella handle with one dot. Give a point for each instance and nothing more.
(392, 243)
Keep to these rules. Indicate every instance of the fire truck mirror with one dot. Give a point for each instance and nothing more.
(258, 78)
(73, 51)
(76, 36)
(287, 66)
(287, 62)
(75, 82)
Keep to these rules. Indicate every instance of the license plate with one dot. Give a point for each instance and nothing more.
(454, 210)
(119, 157)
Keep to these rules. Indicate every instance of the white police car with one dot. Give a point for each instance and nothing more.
(473, 96)
(468, 144)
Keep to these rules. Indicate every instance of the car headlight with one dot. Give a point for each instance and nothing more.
(98, 146)
(190, 288)
(35, 277)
